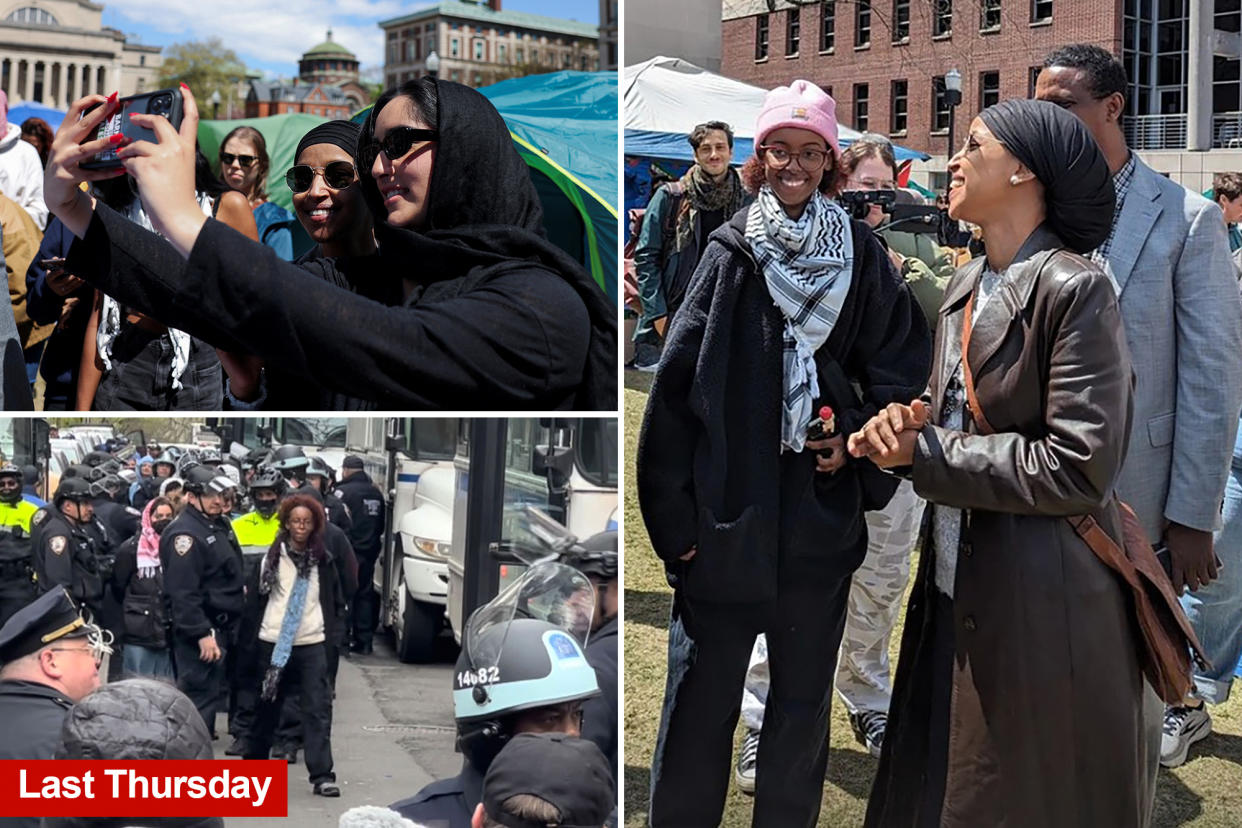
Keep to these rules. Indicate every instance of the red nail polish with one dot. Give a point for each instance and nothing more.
(112, 97)
(184, 86)
(116, 139)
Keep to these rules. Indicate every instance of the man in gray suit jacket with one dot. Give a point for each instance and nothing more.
(1168, 256)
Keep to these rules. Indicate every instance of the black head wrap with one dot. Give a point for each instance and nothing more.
(483, 218)
(1059, 149)
(343, 134)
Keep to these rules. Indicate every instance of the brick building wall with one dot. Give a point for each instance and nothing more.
(1010, 50)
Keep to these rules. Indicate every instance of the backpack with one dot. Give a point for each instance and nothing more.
(635, 218)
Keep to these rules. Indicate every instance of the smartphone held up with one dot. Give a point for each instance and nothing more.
(166, 102)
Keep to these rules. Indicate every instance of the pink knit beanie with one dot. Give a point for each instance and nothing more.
(802, 105)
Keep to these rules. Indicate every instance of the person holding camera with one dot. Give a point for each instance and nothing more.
(747, 495)
(446, 320)
(679, 218)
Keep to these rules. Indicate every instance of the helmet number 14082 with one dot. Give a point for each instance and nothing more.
(483, 675)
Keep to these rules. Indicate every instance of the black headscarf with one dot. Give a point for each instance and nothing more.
(1059, 149)
(484, 218)
(343, 134)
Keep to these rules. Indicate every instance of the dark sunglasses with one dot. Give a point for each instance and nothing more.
(227, 159)
(396, 143)
(337, 175)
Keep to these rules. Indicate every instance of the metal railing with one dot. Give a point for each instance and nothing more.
(1168, 132)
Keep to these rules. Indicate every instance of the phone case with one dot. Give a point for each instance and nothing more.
(167, 102)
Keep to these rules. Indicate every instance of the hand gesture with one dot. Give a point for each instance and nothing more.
(836, 453)
(888, 438)
(73, 144)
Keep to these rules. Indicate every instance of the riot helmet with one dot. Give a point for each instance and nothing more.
(290, 461)
(266, 479)
(76, 489)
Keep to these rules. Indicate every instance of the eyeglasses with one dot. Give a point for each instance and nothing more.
(396, 143)
(227, 159)
(337, 175)
(871, 184)
(809, 159)
(300, 522)
(98, 659)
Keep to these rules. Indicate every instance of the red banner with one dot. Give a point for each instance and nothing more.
(160, 787)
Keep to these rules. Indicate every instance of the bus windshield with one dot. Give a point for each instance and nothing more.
(320, 432)
(597, 450)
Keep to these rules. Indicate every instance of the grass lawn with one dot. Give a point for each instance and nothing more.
(1206, 792)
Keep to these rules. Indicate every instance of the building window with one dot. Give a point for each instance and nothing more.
(940, 106)
(989, 89)
(142, 60)
(32, 16)
(454, 47)
(518, 53)
(761, 37)
(1041, 11)
(989, 15)
(827, 25)
(901, 21)
(1032, 77)
(862, 24)
(861, 94)
(899, 107)
(502, 53)
(942, 20)
(478, 50)
(793, 31)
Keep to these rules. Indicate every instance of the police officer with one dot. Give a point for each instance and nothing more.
(536, 685)
(17, 586)
(121, 521)
(203, 584)
(366, 508)
(291, 462)
(51, 661)
(64, 554)
(319, 477)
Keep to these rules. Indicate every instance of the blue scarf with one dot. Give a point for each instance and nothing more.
(288, 629)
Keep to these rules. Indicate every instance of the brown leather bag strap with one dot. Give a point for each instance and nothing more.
(1104, 547)
(972, 401)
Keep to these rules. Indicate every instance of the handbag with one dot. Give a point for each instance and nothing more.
(1166, 642)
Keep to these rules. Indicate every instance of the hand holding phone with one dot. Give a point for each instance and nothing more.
(164, 102)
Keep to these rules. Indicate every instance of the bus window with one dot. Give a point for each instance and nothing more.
(432, 439)
(597, 450)
(320, 432)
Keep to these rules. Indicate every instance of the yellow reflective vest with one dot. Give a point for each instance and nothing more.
(17, 514)
(254, 534)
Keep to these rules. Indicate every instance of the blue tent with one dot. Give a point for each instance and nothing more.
(21, 112)
(564, 125)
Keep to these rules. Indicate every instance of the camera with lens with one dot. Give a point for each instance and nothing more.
(160, 104)
(858, 202)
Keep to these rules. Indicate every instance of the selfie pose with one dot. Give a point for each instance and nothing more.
(470, 306)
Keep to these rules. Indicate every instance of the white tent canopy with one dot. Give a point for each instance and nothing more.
(666, 97)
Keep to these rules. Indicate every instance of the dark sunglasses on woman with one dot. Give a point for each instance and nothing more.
(397, 143)
(337, 175)
(227, 159)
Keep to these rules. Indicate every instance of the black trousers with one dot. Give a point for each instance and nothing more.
(709, 651)
(306, 674)
(363, 605)
(202, 681)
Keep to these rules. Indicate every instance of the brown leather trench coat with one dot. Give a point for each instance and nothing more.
(1044, 723)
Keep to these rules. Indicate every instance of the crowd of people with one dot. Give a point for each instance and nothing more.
(241, 582)
(829, 389)
(170, 283)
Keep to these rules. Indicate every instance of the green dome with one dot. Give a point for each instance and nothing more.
(328, 47)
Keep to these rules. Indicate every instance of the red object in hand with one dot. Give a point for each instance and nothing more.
(824, 426)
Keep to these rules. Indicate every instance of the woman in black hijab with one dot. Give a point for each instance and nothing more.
(1018, 698)
(470, 307)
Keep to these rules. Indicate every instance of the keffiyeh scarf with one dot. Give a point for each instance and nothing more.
(808, 265)
(704, 194)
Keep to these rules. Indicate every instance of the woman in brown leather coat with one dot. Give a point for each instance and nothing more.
(1018, 692)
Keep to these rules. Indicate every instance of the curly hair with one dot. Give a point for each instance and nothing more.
(249, 133)
(307, 502)
(753, 175)
(314, 544)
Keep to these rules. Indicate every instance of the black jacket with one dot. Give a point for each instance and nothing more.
(710, 471)
(121, 521)
(64, 554)
(143, 608)
(599, 714)
(366, 509)
(202, 575)
(33, 715)
(449, 802)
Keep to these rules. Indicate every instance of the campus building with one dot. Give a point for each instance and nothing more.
(478, 43)
(327, 84)
(55, 51)
(884, 61)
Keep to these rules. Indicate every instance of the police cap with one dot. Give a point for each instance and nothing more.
(48, 618)
(571, 774)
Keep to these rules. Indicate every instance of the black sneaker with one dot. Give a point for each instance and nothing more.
(236, 748)
(646, 358)
(327, 789)
(747, 760)
(869, 728)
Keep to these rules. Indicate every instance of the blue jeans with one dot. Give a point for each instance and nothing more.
(1215, 611)
(145, 662)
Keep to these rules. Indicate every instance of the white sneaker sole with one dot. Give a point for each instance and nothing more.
(1198, 734)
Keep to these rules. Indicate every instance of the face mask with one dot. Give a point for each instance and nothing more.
(11, 495)
(266, 508)
(160, 525)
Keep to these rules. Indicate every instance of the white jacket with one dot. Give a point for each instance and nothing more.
(21, 174)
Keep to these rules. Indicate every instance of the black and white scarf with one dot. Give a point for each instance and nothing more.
(808, 265)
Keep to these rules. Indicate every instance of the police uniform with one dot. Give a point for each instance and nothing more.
(255, 535)
(203, 586)
(121, 522)
(366, 507)
(64, 555)
(452, 800)
(34, 713)
(338, 514)
(17, 585)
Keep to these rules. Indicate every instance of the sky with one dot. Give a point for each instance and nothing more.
(270, 35)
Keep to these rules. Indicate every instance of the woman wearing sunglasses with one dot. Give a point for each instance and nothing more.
(243, 166)
(469, 307)
(760, 523)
